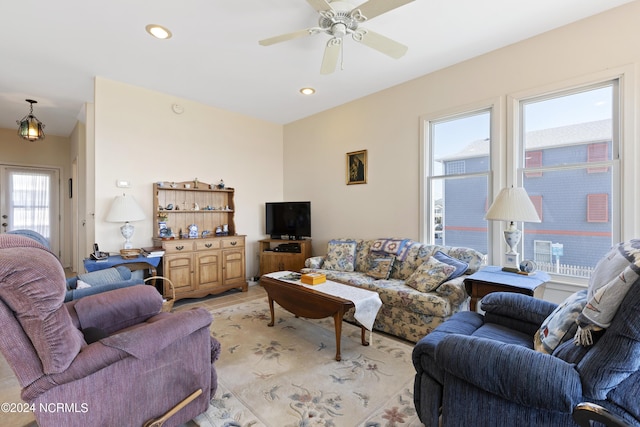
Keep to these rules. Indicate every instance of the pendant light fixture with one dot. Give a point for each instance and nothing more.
(30, 128)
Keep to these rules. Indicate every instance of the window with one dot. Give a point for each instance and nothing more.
(542, 251)
(533, 159)
(571, 130)
(456, 168)
(537, 203)
(598, 153)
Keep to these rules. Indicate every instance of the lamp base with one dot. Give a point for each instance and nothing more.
(127, 232)
(511, 262)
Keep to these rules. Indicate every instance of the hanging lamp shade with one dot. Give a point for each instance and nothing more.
(30, 128)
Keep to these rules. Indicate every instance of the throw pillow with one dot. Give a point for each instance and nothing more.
(341, 255)
(460, 266)
(561, 324)
(379, 265)
(429, 275)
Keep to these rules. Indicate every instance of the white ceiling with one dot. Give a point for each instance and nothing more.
(51, 51)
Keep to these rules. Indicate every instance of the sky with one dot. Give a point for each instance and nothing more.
(451, 136)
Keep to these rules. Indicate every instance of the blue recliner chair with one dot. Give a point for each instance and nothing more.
(100, 281)
(32, 235)
(482, 370)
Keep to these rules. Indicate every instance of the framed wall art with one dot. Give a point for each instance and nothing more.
(357, 167)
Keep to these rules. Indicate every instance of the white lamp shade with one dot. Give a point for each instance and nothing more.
(124, 209)
(513, 204)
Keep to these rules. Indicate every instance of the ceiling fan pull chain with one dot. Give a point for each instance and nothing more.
(342, 58)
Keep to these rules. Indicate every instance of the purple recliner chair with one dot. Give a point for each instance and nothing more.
(111, 359)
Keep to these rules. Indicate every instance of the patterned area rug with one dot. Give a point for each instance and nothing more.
(286, 375)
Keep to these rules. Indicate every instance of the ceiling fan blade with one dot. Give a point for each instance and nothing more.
(373, 8)
(319, 5)
(380, 43)
(285, 37)
(331, 55)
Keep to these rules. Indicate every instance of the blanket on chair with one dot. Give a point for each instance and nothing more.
(608, 285)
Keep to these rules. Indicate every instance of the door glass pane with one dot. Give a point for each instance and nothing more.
(29, 202)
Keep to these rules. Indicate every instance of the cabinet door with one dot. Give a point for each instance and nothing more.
(270, 262)
(208, 269)
(233, 266)
(179, 269)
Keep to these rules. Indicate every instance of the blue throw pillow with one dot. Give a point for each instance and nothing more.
(460, 266)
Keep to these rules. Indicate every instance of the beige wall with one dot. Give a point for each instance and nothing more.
(387, 124)
(52, 152)
(140, 139)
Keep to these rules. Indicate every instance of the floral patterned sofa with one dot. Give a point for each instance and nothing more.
(420, 285)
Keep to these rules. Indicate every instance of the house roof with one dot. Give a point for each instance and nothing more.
(579, 133)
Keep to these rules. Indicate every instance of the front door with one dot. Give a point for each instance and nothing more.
(30, 201)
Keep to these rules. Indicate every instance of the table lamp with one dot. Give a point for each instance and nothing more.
(512, 204)
(124, 209)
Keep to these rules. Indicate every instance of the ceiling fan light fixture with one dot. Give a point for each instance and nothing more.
(30, 128)
(307, 91)
(158, 31)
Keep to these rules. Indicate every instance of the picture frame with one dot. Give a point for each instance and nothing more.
(357, 167)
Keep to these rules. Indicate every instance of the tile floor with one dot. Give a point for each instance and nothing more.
(10, 388)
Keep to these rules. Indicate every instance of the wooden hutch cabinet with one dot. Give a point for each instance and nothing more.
(203, 261)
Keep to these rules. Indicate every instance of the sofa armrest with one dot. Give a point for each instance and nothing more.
(314, 262)
(118, 309)
(512, 372)
(453, 290)
(517, 311)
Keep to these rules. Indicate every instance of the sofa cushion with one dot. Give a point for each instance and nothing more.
(341, 255)
(380, 265)
(417, 254)
(561, 324)
(429, 275)
(460, 266)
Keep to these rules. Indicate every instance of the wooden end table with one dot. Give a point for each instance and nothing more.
(311, 304)
(493, 279)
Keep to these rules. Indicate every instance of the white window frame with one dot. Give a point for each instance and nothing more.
(625, 205)
(496, 106)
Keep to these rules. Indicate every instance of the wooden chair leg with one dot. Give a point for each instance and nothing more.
(158, 422)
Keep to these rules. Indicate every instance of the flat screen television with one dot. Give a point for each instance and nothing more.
(288, 220)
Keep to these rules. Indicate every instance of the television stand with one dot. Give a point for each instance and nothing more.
(272, 260)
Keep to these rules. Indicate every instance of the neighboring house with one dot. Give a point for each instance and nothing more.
(584, 191)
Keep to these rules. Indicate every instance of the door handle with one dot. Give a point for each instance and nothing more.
(4, 216)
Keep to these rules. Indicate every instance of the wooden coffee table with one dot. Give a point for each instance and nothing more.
(308, 303)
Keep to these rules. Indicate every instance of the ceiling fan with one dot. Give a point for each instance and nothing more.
(339, 18)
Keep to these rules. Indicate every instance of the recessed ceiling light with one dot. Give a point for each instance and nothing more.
(307, 91)
(158, 31)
